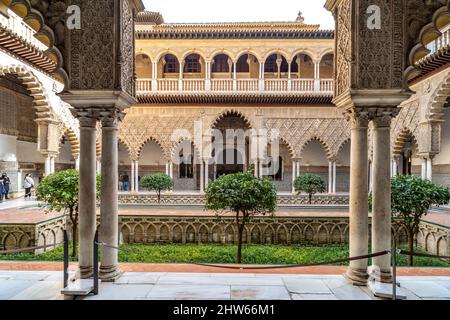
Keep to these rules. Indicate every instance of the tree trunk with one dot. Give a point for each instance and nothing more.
(159, 196)
(239, 249)
(410, 248)
(310, 198)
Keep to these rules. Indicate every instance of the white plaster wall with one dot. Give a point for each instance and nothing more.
(314, 155)
(8, 148)
(27, 152)
(65, 154)
(152, 154)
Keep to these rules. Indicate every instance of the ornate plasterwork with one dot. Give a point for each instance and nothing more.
(127, 49)
(343, 47)
(158, 124)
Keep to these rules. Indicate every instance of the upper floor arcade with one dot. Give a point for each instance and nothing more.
(234, 58)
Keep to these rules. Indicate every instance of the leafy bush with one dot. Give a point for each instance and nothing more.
(243, 194)
(411, 198)
(60, 192)
(310, 184)
(157, 182)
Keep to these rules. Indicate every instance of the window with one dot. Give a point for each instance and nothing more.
(192, 64)
(172, 65)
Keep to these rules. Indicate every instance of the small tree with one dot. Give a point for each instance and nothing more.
(244, 195)
(60, 192)
(157, 182)
(411, 198)
(310, 184)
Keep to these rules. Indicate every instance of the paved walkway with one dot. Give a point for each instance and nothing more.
(46, 285)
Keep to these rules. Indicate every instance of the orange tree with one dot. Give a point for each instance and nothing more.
(59, 191)
(244, 195)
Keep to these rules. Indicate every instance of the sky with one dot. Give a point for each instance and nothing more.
(191, 11)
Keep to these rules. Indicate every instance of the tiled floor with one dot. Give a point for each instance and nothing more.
(46, 285)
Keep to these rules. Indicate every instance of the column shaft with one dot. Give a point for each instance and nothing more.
(109, 210)
(87, 196)
(131, 187)
(330, 177)
(202, 176)
(424, 168)
(430, 169)
(136, 176)
(381, 208)
(334, 177)
(206, 174)
(359, 231)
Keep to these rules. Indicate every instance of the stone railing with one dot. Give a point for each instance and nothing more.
(146, 86)
(197, 199)
(16, 25)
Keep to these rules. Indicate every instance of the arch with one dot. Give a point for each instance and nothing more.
(138, 233)
(163, 53)
(249, 52)
(326, 66)
(179, 143)
(177, 234)
(296, 234)
(203, 234)
(276, 51)
(326, 52)
(144, 66)
(190, 234)
(73, 140)
(401, 139)
(125, 231)
(197, 64)
(222, 51)
(190, 52)
(305, 52)
(142, 145)
(151, 233)
(44, 111)
(164, 234)
(327, 149)
(438, 100)
(231, 112)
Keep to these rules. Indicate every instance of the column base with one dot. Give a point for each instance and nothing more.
(378, 275)
(357, 277)
(86, 272)
(110, 274)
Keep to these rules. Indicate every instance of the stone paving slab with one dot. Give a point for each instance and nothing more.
(47, 285)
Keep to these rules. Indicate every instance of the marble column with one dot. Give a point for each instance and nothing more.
(77, 162)
(424, 168)
(136, 176)
(294, 175)
(47, 165)
(87, 195)
(358, 230)
(430, 169)
(202, 176)
(381, 207)
(132, 184)
(52, 164)
(171, 169)
(109, 209)
(206, 173)
(167, 168)
(334, 178)
(330, 177)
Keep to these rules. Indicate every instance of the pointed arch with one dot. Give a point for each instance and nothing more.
(400, 140)
(232, 112)
(149, 139)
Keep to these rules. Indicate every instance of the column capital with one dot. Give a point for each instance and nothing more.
(86, 116)
(358, 117)
(382, 117)
(110, 117)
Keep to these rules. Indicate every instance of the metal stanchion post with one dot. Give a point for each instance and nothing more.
(394, 270)
(66, 259)
(95, 291)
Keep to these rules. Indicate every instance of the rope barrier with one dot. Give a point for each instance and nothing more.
(22, 250)
(424, 255)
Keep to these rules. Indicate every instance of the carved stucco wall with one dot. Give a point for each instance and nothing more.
(297, 126)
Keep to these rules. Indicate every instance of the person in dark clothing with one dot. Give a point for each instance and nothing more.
(6, 184)
(2, 189)
(126, 182)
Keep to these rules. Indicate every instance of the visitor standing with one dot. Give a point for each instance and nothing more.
(2, 189)
(6, 183)
(121, 182)
(126, 182)
(28, 184)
